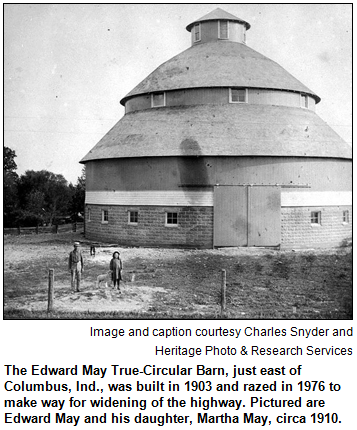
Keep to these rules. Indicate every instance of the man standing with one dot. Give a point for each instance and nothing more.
(75, 265)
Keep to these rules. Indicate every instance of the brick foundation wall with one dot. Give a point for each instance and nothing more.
(298, 232)
(194, 229)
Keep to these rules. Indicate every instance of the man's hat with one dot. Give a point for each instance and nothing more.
(77, 244)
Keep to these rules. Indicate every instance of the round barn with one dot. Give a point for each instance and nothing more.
(219, 146)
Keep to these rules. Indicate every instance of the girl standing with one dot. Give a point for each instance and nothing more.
(116, 266)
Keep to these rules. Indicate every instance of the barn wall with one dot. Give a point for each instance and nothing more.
(218, 96)
(153, 186)
(278, 98)
(170, 173)
(194, 230)
(298, 232)
(196, 97)
(205, 197)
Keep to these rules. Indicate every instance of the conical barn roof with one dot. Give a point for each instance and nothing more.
(227, 130)
(218, 14)
(215, 64)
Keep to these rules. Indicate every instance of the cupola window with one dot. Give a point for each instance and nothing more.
(223, 29)
(304, 101)
(197, 32)
(158, 99)
(238, 95)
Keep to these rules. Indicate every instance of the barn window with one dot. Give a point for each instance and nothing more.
(89, 215)
(316, 218)
(223, 29)
(304, 101)
(171, 219)
(158, 99)
(133, 217)
(105, 216)
(345, 217)
(238, 95)
(197, 32)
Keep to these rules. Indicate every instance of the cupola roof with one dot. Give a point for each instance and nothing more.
(218, 14)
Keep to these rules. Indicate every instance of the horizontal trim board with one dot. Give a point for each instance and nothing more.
(316, 198)
(205, 198)
(150, 198)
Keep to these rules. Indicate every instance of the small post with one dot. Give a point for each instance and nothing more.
(50, 290)
(74, 226)
(223, 293)
(56, 228)
(18, 230)
(36, 228)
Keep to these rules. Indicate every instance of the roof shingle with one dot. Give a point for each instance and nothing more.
(221, 130)
(219, 64)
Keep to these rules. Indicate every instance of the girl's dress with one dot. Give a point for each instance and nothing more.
(116, 267)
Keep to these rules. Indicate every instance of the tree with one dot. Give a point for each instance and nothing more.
(78, 195)
(9, 160)
(46, 189)
(10, 187)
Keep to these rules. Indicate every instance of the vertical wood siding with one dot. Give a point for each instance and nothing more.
(264, 216)
(209, 32)
(170, 173)
(278, 98)
(230, 216)
(197, 96)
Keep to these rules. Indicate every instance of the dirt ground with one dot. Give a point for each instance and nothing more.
(172, 283)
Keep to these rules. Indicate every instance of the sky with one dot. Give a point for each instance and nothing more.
(66, 67)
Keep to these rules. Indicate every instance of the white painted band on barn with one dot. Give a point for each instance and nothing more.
(205, 198)
(316, 198)
(150, 198)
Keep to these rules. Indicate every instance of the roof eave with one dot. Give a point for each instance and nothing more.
(128, 97)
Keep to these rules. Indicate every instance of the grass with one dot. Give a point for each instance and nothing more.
(261, 284)
(28, 315)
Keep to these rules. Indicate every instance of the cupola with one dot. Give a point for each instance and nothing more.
(218, 25)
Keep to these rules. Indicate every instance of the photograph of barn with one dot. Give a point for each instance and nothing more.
(220, 147)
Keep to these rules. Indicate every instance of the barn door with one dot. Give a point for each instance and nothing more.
(230, 216)
(246, 216)
(264, 220)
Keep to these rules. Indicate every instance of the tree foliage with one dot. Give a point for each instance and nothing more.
(43, 196)
(10, 187)
(78, 196)
(39, 197)
(9, 160)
